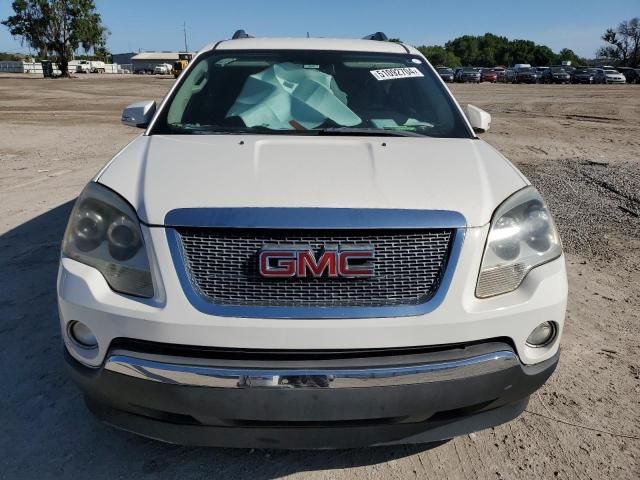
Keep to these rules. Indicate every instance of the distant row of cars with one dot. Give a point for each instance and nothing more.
(524, 73)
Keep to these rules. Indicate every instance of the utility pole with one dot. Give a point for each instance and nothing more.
(184, 29)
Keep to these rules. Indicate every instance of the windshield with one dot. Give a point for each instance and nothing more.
(558, 70)
(311, 92)
(611, 72)
(444, 70)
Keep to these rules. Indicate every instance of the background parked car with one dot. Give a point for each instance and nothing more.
(540, 72)
(446, 74)
(583, 75)
(608, 76)
(489, 75)
(507, 77)
(525, 75)
(631, 74)
(467, 74)
(501, 72)
(556, 75)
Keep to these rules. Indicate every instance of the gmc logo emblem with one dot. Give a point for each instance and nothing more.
(295, 261)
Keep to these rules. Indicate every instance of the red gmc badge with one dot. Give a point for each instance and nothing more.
(335, 261)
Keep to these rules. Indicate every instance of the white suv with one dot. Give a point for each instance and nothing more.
(309, 247)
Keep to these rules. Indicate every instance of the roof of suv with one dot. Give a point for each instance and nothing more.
(335, 44)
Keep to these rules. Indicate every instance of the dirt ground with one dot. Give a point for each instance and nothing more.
(579, 145)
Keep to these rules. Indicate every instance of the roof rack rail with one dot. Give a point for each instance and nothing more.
(240, 34)
(379, 36)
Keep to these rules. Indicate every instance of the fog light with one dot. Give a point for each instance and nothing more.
(81, 334)
(542, 335)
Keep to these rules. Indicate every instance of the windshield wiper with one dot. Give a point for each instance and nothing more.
(238, 131)
(374, 132)
(260, 130)
(224, 130)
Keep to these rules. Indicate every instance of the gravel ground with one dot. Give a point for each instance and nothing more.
(578, 144)
(609, 193)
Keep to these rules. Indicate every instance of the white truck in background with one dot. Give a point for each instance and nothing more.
(90, 66)
(163, 69)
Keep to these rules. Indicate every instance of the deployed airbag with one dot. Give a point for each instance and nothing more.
(287, 95)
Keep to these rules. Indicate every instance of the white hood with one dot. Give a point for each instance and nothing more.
(157, 174)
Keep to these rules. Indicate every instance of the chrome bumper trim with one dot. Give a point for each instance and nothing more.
(222, 377)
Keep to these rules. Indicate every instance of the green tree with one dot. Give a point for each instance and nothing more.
(522, 51)
(58, 26)
(623, 43)
(566, 54)
(490, 50)
(4, 56)
(438, 55)
(543, 56)
(100, 50)
(487, 50)
(466, 48)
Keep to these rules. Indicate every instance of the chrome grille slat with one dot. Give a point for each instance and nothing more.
(222, 266)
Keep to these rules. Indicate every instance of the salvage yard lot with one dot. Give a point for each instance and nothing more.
(580, 145)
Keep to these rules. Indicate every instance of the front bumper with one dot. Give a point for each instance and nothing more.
(170, 318)
(214, 399)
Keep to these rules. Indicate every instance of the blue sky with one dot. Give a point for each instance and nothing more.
(157, 24)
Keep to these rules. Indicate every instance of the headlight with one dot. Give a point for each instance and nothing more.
(522, 236)
(104, 232)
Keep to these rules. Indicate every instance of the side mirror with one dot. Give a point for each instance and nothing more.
(139, 114)
(479, 119)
